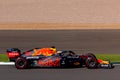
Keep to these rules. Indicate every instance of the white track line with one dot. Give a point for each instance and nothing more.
(116, 64)
(7, 63)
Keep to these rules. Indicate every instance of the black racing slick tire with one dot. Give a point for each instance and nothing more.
(21, 63)
(91, 63)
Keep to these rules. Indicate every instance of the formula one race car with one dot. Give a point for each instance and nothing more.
(61, 59)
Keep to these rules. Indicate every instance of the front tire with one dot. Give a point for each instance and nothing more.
(21, 63)
(91, 63)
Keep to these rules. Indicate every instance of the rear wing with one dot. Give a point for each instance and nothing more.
(13, 54)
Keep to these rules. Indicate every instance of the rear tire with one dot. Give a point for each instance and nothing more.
(21, 63)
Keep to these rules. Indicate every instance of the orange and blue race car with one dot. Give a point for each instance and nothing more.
(50, 57)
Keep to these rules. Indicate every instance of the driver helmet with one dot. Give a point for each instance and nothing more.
(53, 48)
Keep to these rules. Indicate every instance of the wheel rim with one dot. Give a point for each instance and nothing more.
(92, 64)
(21, 63)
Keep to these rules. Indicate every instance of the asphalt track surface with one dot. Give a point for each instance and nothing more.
(11, 73)
(80, 41)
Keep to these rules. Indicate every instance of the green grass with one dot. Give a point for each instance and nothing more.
(111, 57)
(4, 58)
